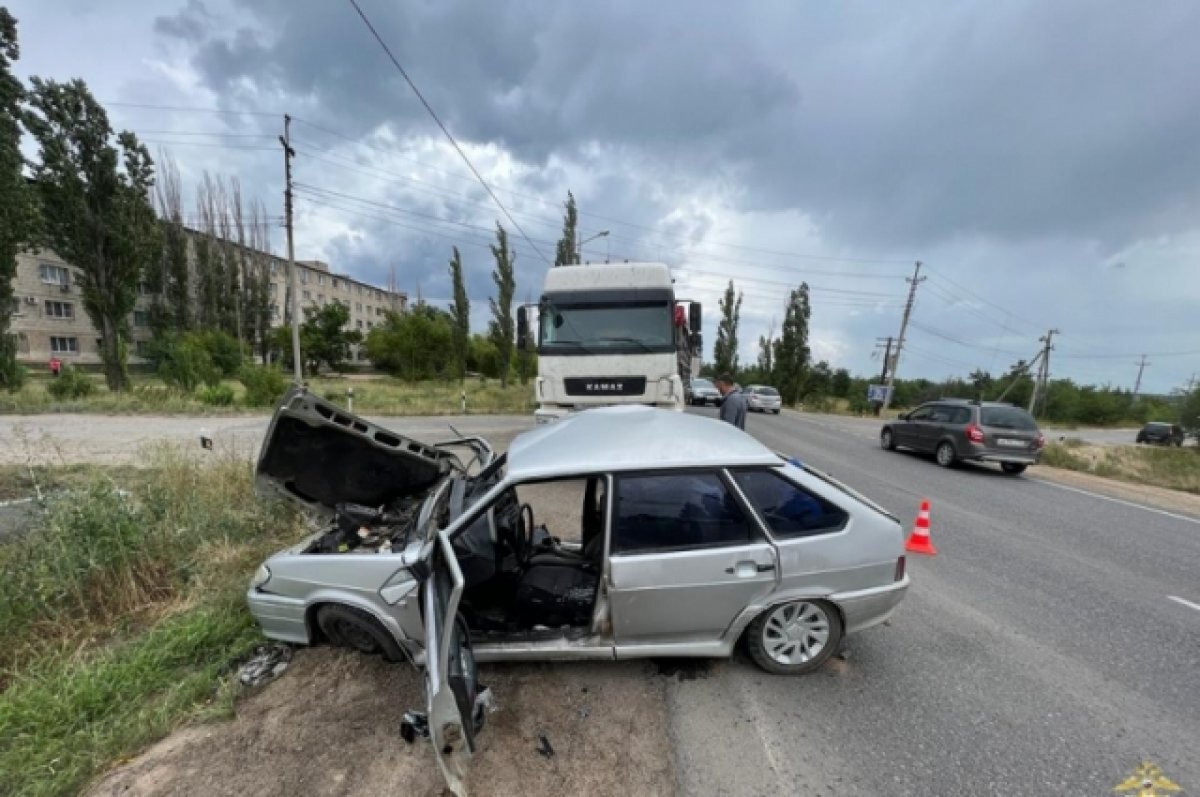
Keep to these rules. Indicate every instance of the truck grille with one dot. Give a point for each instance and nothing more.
(605, 385)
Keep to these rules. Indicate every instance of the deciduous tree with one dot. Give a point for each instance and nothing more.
(94, 197)
(500, 329)
(725, 350)
(460, 315)
(16, 213)
(791, 350)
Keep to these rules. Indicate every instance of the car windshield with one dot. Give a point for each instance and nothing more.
(1008, 418)
(597, 327)
(703, 384)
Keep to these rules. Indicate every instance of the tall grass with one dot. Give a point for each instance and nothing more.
(381, 395)
(120, 612)
(1172, 468)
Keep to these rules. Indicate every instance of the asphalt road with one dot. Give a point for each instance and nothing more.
(1038, 653)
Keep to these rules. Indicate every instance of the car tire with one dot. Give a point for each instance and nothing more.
(795, 638)
(887, 440)
(1013, 468)
(945, 454)
(347, 627)
(779, 411)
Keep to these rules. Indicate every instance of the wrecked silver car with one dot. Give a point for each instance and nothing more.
(662, 534)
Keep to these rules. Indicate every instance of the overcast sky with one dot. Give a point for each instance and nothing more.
(1041, 159)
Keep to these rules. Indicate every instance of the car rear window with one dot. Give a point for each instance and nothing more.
(767, 391)
(788, 509)
(1158, 426)
(1007, 418)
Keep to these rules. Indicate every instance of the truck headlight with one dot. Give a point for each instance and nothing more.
(261, 576)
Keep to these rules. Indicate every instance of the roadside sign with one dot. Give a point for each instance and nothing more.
(877, 393)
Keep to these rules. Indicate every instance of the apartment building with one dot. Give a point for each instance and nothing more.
(49, 320)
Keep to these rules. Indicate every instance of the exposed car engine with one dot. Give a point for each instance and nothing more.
(362, 528)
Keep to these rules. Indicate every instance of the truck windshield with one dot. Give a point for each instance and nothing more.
(606, 328)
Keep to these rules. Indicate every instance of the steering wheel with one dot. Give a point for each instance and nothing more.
(525, 534)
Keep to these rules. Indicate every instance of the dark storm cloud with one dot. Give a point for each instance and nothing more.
(895, 127)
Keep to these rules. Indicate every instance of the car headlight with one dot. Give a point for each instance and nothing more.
(261, 576)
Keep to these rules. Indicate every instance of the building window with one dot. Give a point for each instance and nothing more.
(143, 289)
(59, 309)
(378, 311)
(304, 277)
(141, 348)
(15, 306)
(274, 269)
(336, 283)
(64, 345)
(370, 325)
(54, 275)
(358, 323)
(360, 290)
(22, 343)
(141, 318)
(320, 279)
(308, 295)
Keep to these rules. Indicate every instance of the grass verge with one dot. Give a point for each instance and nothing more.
(1172, 468)
(122, 615)
(373, 394)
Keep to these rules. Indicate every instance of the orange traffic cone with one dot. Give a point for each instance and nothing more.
(918, 541)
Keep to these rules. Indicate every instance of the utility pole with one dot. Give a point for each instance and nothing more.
(915, 280)
(1019, 372)
(288, 154)
(1039, 385)
(886, 343)
(1141, 364)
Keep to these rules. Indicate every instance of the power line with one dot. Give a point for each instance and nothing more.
(420, 185)
(188, 109)
(940, 276)
(454, 143)
(951, 339)
(207, 145)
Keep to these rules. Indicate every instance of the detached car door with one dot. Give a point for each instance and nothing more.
(685, 559)
(456, 703)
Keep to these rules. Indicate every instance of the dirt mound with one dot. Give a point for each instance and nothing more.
(330, 726)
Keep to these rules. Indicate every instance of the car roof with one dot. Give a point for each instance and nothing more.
(630, 437)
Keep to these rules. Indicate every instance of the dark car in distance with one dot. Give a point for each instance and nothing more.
(958, 430)
(1163, 434)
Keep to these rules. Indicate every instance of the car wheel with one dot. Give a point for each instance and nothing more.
(1013, 468)
(887, 440)
(779, 411)
(347, 627)
(945, 454)
(795, 638)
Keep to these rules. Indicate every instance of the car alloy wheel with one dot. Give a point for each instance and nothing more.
(886, 440)
(945, 454)
(795, 638)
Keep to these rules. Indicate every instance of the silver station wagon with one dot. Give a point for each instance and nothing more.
(616, 533)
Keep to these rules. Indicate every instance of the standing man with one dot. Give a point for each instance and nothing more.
(733, 403)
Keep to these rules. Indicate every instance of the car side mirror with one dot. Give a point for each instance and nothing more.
(522, 328)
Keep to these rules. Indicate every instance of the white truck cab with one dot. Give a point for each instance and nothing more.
(611, 333)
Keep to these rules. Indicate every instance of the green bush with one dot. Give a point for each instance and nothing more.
(12, 374)
(185, 363)
(223, 349)
(70, 384)
(264, 384)
(217, 395)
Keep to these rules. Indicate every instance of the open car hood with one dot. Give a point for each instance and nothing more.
(319, 455)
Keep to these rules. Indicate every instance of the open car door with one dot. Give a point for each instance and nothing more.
(456, 702)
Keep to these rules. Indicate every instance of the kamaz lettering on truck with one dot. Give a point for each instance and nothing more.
(610, 333)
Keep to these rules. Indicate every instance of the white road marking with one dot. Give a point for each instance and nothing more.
(1122, 502)
(1189, 604)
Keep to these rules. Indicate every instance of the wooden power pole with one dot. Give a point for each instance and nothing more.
(288, 154)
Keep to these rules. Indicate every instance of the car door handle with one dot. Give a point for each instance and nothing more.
(748, 569)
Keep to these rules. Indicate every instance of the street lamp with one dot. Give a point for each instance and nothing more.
(579, 248)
